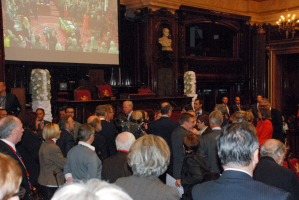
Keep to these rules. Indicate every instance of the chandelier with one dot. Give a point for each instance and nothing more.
(289, 24)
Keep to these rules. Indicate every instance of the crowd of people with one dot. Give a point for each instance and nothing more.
(217, 155)
(87, 15)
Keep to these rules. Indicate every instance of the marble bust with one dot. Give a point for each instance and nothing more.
(165, 41)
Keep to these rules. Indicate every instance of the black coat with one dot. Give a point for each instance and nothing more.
(109, 132)
(100, 145)
(269, 172)
(192, 173)
(12, 105)
(65, 142)
(277, 125)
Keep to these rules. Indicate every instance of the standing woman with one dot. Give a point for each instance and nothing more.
(85, 22)
(51, 162)
(264, 128)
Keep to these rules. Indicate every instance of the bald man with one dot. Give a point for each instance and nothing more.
(269, 170)
(99, 142)
(8, 101)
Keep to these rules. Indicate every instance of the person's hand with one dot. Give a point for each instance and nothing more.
(70, 180)
(178, 183)
(195, 131)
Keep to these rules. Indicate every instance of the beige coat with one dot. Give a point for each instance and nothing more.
(50, 158)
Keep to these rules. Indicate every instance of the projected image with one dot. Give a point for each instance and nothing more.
(88, 26)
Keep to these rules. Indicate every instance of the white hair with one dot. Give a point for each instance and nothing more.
(93, 189)
(124, 141)
(58, 47)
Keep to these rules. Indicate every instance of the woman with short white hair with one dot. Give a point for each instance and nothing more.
(148, 157)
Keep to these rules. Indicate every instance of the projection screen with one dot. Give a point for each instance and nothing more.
(66, 31)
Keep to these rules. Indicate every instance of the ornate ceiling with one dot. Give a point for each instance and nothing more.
(261, 11)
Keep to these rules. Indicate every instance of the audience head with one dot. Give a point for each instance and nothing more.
(186, 108)
(29, 121)
(264, 112)
(149, 156)
(11, 129)
(202, 121)
(50, 131)
(241, 116)
(166, 109)
(275, 149)
(221, 108)
(62, 111)
(137, 115)
(225, 100)
(70, 111)
(40, 114)
(124, 141)
(102, 111)
(67, 122)
(2, 88)
(215, 119)
(110, 115)
(127, 107)
(95, 122)
(192, 112)
(198, 104)
(238, 146)
(157, 115)
(190, 142)
(93, 189)
(10, 177)
(237, 100)
(37, 37)
(264, 102)
(3, 113)
(86, 133)
(258, 98)
(187, 121)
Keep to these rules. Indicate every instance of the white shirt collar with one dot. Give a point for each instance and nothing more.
(87, 145)
(239, 170)
(216, 128)
(9, 143)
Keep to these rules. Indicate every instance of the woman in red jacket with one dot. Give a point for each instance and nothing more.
(264, 128)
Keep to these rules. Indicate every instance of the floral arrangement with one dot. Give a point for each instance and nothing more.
(40, 87)
(190, 85)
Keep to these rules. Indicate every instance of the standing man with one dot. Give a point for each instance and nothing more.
(40, 121)
(270, 171)
(208, 143)
(224, 102)
(198, 108)
(236, 106)
(203, 124)
(66, 140)
(9, 101)
(255, 108)
(238, 149)
(11, 132)
(276, 120)
(128, 109)
(71, 112)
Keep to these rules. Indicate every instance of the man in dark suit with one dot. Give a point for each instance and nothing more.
(116, 166)
(238, 149)
(164, 126)
(208, 143)
(270, 171)
(66, 140)
(41, 122)
(255, 108)
(221, 108)
(276, 119)
(11, 132)
(8, 101)
(108, 129)
(198, 108)
(225, 103)
(187, 123)
(236, 106)
(71, 112)
(203, 124)
(99, 142)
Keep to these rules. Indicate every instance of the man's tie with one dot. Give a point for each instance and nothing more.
(41, 125)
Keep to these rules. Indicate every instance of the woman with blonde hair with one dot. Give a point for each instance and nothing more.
(51, 162)
(10, 178)
(149, 158)
(27, 32)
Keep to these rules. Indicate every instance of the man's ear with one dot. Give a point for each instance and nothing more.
(255, 156)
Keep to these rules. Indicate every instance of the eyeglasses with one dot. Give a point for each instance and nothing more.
(20, 193)
(192, 122)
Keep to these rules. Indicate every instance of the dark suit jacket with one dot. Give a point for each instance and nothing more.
(254, 112)
(208, 130)
(178, 150)
(277, 125)
(235, 108)
(208, 149)
(109, 132)
(65, 142)
(40, 131)
(12, 105)
(235, 185)
(100, 145)
(5, 149)
(116, 167)
(163, 127)
(269, 172)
